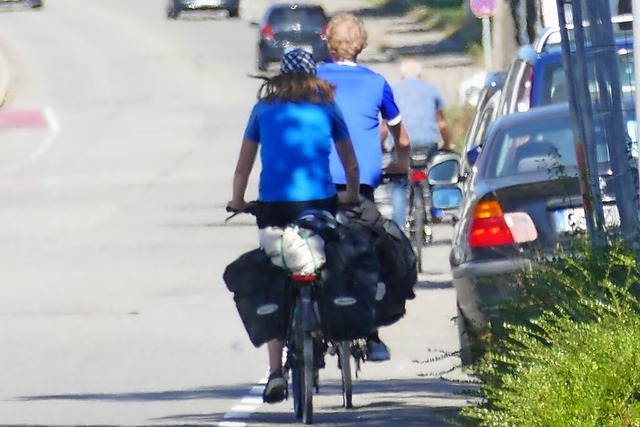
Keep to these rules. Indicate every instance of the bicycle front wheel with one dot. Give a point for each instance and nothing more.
(344, 357)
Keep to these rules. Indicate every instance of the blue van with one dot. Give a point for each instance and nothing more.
(537, 76)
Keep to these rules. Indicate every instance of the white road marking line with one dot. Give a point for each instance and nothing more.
(248, 405)
(51, 118)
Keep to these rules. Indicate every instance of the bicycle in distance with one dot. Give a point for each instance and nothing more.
(433, 194)
(304, 298)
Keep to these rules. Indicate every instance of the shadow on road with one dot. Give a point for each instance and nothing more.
(426, 285)
(230, 392)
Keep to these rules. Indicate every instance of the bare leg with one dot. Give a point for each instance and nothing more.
(275, 355)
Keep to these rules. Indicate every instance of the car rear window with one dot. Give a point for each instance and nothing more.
(554, 87)
(548, 145)
(311, 16)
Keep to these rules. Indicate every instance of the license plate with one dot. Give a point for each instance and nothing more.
(573, 219)
(307, 48)
(205, 3)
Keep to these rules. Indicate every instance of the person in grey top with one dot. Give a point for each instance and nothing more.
(422, 108)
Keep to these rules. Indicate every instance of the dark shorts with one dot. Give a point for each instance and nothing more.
(281, 214)
(366, 191)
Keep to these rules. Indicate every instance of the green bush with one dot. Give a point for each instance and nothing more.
(566, 350)
(580, 375)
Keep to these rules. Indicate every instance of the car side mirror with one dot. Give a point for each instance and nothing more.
(445, 202)
(473, 154)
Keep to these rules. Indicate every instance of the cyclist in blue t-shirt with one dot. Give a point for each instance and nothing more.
(296, 124)
(363, 96)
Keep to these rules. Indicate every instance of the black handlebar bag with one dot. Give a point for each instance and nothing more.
(260, 293)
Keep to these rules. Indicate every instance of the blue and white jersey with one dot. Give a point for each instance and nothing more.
(296, 140)
(363, 96)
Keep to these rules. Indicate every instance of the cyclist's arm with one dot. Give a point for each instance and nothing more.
(443, 127)
(246, 159)
(402, 148)
(352, 170)
(384, 133)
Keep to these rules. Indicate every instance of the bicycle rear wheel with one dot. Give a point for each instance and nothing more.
(344, 357)
(418, 220)
(307, 401)
(302, 371)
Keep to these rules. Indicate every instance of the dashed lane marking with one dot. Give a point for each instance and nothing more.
(247, 406)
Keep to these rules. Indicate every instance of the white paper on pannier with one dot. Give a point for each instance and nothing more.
(299, 250)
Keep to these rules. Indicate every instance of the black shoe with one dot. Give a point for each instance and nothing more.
(276, 389)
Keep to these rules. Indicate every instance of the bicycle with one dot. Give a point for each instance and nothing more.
(418, 224)
(418, 199)
(304, 334)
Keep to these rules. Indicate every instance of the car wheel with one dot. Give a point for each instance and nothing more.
(36, 4)
(467, 345)
(234, 13)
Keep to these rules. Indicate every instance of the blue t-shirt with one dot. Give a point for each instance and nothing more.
(419, 102)
(363, 96)
(296, 140)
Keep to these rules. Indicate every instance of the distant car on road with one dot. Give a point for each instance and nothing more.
(287, 26)
(30, 3)
(176, 7)
(523, 201)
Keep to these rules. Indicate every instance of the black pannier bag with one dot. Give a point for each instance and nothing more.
(260, 293)
(348, 284)
(398, 261)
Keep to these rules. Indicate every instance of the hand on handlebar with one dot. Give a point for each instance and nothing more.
(447, 148)
(348, 201)
(238, 208)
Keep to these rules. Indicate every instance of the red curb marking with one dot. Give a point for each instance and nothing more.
(22, 119)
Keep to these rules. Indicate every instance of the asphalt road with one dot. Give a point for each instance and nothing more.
(112, 188)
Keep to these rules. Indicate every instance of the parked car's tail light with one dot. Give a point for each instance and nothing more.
(267, 33)
(492, 227)
(522, 227)
(418, 175)
(489, 227)
(323, 33)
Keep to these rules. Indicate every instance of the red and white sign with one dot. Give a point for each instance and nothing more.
(12, 119)
(482, 8)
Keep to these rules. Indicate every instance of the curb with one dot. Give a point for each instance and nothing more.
(5, 78)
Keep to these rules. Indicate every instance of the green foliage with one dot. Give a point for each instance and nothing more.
(459, 119)
(565, 351)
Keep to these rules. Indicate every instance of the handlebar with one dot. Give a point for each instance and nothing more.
(250, 208)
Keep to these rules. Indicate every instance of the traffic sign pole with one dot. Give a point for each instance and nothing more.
(486, 43)
(483, 9)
